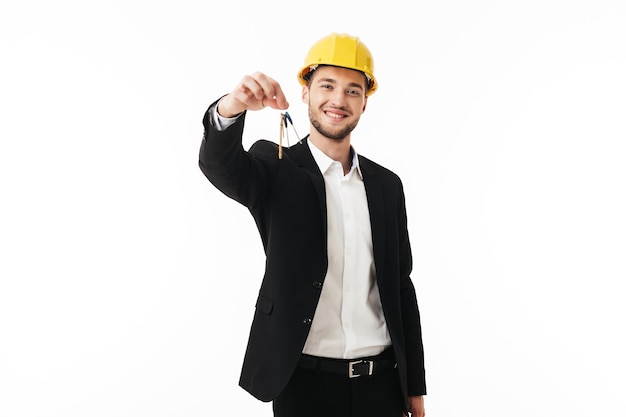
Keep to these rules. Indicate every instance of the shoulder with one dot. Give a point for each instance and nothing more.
(264, 149)
(298, 153)
(263, 145)
(371, 168)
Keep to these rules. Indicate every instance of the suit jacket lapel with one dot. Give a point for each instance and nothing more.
(301, 155)
(375, 200)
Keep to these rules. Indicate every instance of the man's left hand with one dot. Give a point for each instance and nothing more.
(416, 406)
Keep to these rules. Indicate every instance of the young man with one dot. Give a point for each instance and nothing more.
(336, 331)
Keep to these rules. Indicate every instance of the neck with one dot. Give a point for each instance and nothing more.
(337, 150)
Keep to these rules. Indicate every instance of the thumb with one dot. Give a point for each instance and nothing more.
(278, 103)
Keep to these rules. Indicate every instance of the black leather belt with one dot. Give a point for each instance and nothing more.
(352, 368)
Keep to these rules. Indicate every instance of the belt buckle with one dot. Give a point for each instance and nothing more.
(366, 366)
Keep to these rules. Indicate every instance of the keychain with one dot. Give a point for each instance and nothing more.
(284, 118)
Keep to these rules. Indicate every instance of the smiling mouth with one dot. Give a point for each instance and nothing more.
(334, 115)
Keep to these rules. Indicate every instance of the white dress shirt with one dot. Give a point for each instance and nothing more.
(349, 321)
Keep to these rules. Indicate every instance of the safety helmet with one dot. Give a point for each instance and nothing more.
(340, 50)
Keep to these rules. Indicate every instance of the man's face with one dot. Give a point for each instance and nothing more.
(336, 99)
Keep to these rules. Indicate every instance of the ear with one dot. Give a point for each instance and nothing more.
(364, 104)
(305, 94)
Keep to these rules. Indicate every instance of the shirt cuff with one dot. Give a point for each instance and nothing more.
(220, 122)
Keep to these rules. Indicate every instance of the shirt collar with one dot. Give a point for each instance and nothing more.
(324, 161)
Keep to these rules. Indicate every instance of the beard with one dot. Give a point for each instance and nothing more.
(336, 135)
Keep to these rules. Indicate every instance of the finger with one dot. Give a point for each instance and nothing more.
(280, 101)
(249, 92)
(275, 103)
(272, 94)
(256, 86)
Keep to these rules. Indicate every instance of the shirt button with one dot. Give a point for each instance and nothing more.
(306, 321)
(317, 284)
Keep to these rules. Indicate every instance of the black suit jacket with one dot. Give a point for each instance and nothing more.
(287, 199)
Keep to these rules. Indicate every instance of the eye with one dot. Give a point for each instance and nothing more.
(354, 92)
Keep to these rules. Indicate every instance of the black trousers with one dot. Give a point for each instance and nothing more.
(314, 393)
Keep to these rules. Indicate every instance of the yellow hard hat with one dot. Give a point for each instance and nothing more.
(340, 50)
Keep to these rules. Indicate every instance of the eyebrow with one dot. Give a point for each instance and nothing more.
(333, 81)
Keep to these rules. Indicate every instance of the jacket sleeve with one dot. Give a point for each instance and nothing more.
(416, 378)
(241, 175)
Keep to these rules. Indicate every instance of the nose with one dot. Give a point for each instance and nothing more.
(338, 98)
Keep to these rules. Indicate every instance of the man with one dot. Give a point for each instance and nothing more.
(336, 331)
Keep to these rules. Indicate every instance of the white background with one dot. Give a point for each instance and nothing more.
(128, 282)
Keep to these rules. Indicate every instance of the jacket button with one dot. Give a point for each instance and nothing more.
(306, 321)
(317, 284)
